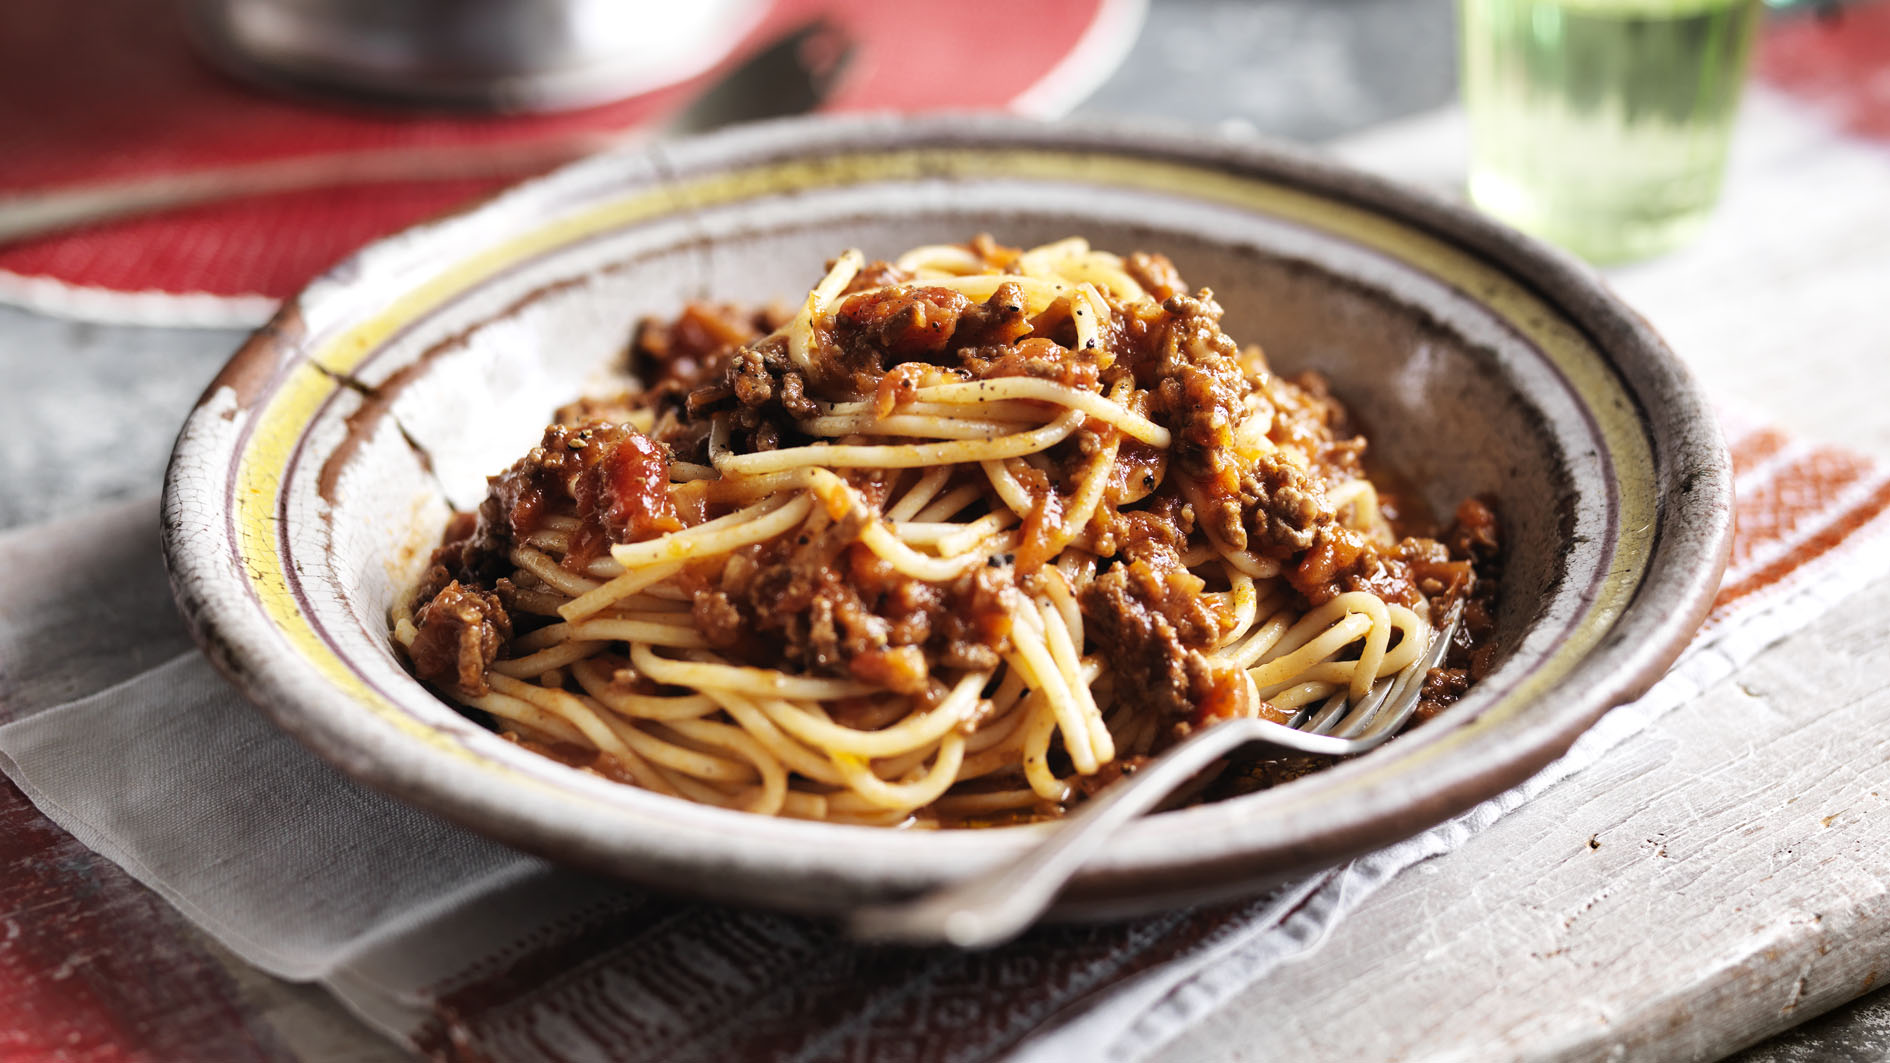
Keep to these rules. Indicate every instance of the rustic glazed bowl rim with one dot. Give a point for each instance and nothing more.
(1644, 610)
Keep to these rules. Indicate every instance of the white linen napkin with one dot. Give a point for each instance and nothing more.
(123, 734)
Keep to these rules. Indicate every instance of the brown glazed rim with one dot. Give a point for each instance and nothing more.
(1200, 852)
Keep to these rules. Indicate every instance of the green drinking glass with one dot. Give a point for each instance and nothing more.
(1602, 126)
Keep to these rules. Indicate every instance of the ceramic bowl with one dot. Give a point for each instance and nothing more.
(318, 471)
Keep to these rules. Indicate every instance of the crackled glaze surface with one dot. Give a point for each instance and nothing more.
(310, 481)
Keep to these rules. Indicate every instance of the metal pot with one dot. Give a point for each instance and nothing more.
(497, 55)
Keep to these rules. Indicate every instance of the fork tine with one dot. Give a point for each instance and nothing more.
(1392, 699)
(989, 907)
(1323, 720)
(1404, 701)
(1361, 716)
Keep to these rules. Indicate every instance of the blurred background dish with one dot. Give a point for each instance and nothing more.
(788, 75)
(122, 96)
(493, 55)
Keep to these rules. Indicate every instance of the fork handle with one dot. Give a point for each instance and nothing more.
(993, 907)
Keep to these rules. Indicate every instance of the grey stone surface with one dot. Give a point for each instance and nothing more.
(1302, 69)
(1858, 1032)
(94, 408)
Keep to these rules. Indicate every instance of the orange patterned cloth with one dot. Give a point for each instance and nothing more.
(1797, 507)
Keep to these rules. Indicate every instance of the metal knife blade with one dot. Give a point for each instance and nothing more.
(794, 74)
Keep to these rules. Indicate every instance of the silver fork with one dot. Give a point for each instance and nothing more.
(995, 906)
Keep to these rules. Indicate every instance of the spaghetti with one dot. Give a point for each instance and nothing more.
(960, 538)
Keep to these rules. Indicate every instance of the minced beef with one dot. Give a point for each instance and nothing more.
(461, 631)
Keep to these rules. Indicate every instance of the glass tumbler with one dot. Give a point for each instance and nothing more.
(1602, 125)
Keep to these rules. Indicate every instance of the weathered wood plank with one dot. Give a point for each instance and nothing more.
(1720, 877)
(95, 967)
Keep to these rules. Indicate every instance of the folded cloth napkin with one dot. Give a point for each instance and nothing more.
(123, 735)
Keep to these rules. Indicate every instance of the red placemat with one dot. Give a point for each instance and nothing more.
(1838, 60)
(117, 93)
